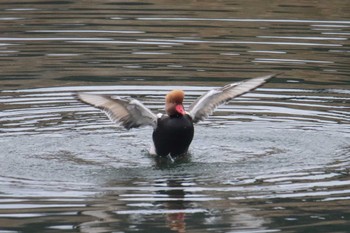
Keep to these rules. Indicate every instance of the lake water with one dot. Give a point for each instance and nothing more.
(274, 160)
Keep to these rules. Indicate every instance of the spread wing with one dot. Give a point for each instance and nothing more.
(206, 104)
(127, 112)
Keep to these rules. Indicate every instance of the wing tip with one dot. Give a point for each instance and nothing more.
(80, 97)
(267, 78)
(271, 76)
(88, 98)
(76, 95)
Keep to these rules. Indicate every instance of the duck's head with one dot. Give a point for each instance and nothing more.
(173, 103)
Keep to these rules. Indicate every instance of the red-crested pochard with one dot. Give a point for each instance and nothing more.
(173, 131)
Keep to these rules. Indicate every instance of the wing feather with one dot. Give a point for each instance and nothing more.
(208, 102)
(127, 112)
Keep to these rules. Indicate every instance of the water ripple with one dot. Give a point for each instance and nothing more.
(275, 160)
(182, 41)
(53, 106)
(248, 20)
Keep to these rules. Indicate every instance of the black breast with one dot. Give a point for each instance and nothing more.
(173, 135)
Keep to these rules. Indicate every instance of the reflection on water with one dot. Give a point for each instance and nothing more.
(275, 160)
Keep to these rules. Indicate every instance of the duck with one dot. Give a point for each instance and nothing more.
(173, 131)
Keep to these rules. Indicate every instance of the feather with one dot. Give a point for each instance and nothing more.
(208, 102)
(128, 112)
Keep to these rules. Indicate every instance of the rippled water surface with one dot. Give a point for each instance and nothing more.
(274, 160)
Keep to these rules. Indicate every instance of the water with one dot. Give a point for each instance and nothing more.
(275, 160)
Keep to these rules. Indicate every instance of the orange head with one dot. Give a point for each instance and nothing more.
(175, 96)
(174, 101)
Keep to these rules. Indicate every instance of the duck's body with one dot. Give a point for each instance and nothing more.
(173, 134)
(173, 131)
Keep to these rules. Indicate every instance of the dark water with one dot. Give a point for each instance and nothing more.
(275, 160)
